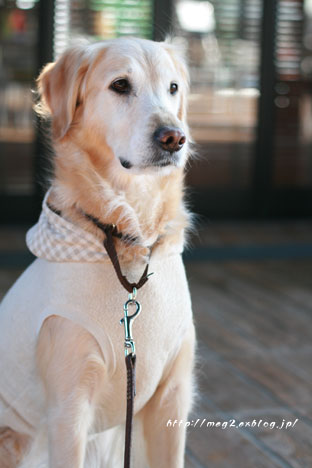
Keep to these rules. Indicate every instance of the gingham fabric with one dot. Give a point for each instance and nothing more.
(57, 240)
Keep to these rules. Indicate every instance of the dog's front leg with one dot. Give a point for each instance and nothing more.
(169, 406)
(72, 369)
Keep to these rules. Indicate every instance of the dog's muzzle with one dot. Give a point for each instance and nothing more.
(167, 143)
(170, 139)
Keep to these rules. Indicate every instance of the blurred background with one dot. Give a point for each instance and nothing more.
(250, 265)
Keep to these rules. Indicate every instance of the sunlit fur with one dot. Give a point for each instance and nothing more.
(92, 129)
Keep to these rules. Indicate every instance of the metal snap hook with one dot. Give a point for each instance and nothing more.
(127, 321)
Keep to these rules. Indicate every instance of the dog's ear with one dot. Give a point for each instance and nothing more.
(178, 54)
(59, 85)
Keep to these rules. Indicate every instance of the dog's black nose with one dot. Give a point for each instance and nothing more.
(170, 138)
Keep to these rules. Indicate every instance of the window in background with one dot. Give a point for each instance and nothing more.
(292, 164)
(18, 42)
(100, 19)
(222, 38)
(73, 20)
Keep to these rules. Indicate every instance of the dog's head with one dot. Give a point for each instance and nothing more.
(129, 95)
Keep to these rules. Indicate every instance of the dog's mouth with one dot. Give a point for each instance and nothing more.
(164, 162)
(157, 161)
(126, 164)
(164, 158)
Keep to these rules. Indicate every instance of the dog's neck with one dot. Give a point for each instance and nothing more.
(147, 207)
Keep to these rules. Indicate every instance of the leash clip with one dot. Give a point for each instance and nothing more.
(127, 321)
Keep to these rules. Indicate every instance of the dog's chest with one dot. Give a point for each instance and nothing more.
(90, 295)
(151, 359)
(158, 333)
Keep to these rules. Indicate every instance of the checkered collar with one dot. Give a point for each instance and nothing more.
(58, 240)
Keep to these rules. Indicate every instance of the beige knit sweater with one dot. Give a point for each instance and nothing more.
(89, 294)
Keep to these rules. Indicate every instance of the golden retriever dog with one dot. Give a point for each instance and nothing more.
(120, 142)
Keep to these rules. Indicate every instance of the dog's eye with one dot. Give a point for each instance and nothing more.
(173, 88)
(121, 86)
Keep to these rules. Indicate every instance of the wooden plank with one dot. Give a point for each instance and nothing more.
(224, 396)
(255, 333)
(228, 388)
(293, 280)
(227, 392)
(215, 447)
(191, 461)
(253, 232)
(257, 304)
(240, 330)
(235, 316)
(244, 325)
(296, 271)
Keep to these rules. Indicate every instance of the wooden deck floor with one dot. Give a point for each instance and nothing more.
(254, 327)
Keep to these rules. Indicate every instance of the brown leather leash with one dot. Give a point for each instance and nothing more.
(110, 231)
